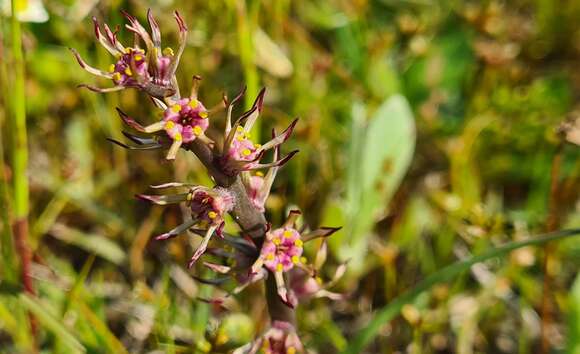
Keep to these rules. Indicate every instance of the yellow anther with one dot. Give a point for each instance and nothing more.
(112, 68)
(212, 215)
(128, 71)
(203, 114)
(277, 241)
(240, 138)
(270, 256)
(239, 129)
(176, 108)
(288, 233)
(279, 267)
(193, 103)
(222, 338)
(189, 196)
(298, 243)
(128, 50)
(318, 280)
(177, 137)
(257, 146)
(295, 259)
(138, 57)
(117, 76)
(260, 174)
(169, 125)
(303, 259)
(290, 350)
(168, 51)
(197, 130)
(246, 152)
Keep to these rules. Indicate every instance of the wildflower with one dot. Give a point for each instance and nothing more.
(282, 251)
(258, 186)
(183, 121)
(239, 152)
(305, 285)
(208, 207)
(151, 69)
(280, 338)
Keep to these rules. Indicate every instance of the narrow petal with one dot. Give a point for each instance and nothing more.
(256, 110)
(321, 255)
(195, 86)
(101, 89)
(89, 68)
(218, 268)
(155, 127)
(182, 43)
(292, 217)
(278, 163)
(251, 280)
(175, 184)
(176, 231)
(202, 247)
(155, 32)
(140, 147)
(173, 149)
(164, 199)
(136, 27)
(139, 140)
(280, 138)
(281, 288)
(322, 232)
(130, 121)
(101, 38)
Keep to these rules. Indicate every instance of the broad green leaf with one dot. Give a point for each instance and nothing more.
(387, 313)
(51, 323)
(379, 169)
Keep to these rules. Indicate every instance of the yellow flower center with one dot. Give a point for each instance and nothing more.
(197, 130)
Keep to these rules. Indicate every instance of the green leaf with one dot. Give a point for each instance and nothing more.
(388, 312)
(51, 323)
(379, 169)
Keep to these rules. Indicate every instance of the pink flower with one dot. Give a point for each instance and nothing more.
(151, 69)
(208, 208)
(239, 152)
(281, 338)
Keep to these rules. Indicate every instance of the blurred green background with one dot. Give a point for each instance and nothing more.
(429, 130)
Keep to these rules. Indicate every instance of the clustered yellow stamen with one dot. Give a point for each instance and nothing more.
(203, 114)
(168, 51)
(246, 152)
(295, 259)
(197, 130)
(176, 108)
(288, 233)
(112, 68)
(117, 76)
(128, 71)
(138, 57)
(128, 50)
(178, 137)
(212, 215)
(193, 103)
(169, 125)
(270, 256)
(279, 267)
(277, 241)
(298, 243)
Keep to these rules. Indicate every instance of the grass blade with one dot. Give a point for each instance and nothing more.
(51, 323)
(387, 313)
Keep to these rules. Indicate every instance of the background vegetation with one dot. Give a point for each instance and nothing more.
(429, 130)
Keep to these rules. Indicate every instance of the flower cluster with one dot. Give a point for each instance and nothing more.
(242, 180)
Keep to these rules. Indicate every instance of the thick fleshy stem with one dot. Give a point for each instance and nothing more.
(252, 221)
